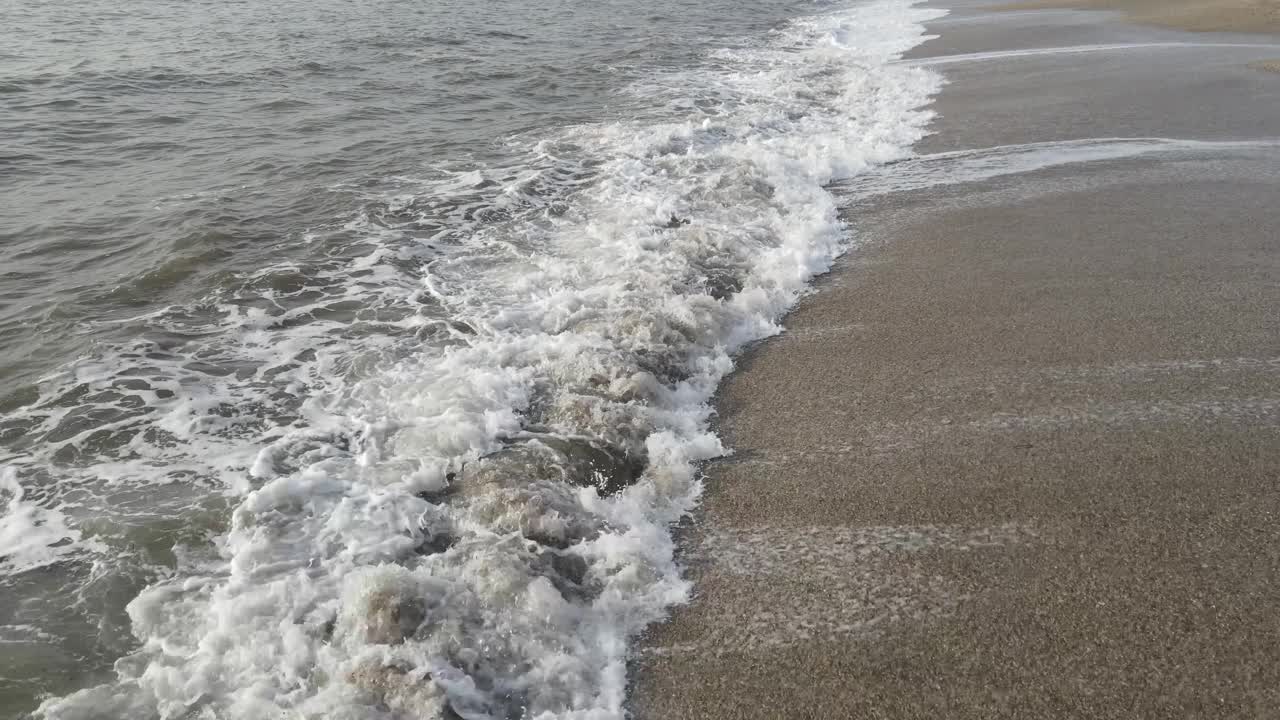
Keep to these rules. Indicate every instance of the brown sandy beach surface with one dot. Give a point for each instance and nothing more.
(1250, 16)
(1200, 15)
(1019, 455)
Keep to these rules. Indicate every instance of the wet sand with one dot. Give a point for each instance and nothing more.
(1018, 457)
(1195, 15)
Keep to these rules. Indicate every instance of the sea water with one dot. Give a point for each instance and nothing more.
(357, 356)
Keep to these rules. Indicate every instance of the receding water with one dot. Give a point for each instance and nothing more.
(356, 356)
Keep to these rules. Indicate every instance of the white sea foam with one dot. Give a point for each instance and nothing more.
(472, 515)
(1083, 49)
(964, 166)
(32, 536)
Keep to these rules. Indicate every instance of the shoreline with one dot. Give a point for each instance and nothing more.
(1013, 457)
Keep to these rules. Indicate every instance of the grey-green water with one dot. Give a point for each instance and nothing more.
(319, 316)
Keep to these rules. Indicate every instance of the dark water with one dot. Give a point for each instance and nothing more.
(333, 333)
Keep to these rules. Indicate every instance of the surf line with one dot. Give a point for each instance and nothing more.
(1146, 143)
(1073, 50)
(978, 164)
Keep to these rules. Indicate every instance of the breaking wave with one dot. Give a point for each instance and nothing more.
(437, 459)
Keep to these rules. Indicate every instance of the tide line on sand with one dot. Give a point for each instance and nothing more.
(1075, 49)
(976, 164)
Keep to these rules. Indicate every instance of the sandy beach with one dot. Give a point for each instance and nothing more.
(1017, 456)
(1196, 15)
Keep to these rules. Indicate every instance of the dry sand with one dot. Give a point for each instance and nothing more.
(1256, 16)
(1018, 458)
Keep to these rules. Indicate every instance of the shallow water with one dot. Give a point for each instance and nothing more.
(358, 355)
